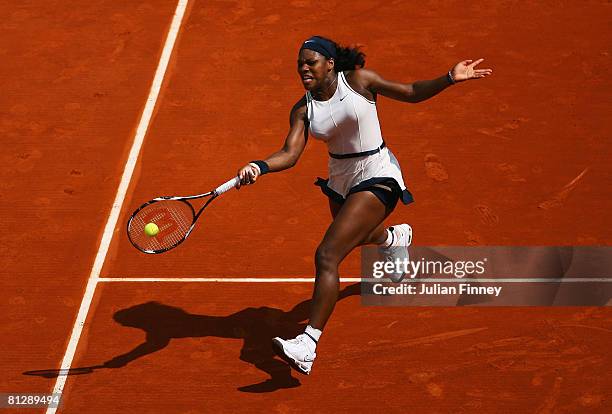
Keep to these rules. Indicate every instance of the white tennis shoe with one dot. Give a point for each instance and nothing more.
(298, 352)
(398, 250)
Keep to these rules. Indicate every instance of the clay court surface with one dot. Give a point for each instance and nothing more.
(521, 158)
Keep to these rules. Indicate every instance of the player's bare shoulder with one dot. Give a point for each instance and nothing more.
(298, 112)
(361, 81)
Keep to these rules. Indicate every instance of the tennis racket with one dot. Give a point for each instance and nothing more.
(174, 216)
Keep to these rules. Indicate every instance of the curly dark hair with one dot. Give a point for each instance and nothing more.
(349, 57)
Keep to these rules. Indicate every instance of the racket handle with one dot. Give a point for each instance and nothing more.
(227, 186)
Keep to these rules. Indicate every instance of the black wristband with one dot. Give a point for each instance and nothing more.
(449, 77)
(264, 168)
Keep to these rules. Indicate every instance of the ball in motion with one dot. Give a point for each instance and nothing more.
(151, 229)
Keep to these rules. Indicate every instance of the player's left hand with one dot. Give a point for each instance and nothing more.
(466, 70)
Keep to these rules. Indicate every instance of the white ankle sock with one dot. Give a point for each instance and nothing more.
(314, 335)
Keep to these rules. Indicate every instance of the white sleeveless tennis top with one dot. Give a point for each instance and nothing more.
(348, 124)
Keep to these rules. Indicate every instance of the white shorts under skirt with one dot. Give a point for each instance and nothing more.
(350, 175)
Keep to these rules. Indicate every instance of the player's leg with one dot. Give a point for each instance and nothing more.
(359, 216)
(393, 241)
(400, 235)
(376, 236)
(354, 221)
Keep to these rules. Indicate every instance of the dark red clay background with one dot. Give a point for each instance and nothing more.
(520, 158)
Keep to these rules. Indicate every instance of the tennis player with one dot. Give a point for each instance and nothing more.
(365, 180)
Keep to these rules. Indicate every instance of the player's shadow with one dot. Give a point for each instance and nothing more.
(255, 326)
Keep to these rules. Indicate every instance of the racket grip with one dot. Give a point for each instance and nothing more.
(227, 186)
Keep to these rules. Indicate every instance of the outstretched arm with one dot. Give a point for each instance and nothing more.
(152, 344)
(289, 154)
(420, 90)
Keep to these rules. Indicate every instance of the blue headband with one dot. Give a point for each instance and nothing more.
(323, 46)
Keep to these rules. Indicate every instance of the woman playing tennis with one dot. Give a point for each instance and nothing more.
(365, 180)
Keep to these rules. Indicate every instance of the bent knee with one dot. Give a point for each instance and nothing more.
(326, 257)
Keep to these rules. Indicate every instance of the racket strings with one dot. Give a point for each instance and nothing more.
(174, 219)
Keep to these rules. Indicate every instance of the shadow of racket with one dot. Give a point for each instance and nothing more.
(54, 373)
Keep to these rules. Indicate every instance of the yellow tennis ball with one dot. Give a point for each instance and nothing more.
(151, 229)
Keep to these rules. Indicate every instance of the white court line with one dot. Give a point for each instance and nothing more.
(113, 217)
(221, 279)
(343, 279)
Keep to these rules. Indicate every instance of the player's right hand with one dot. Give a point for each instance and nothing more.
(248, 175)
